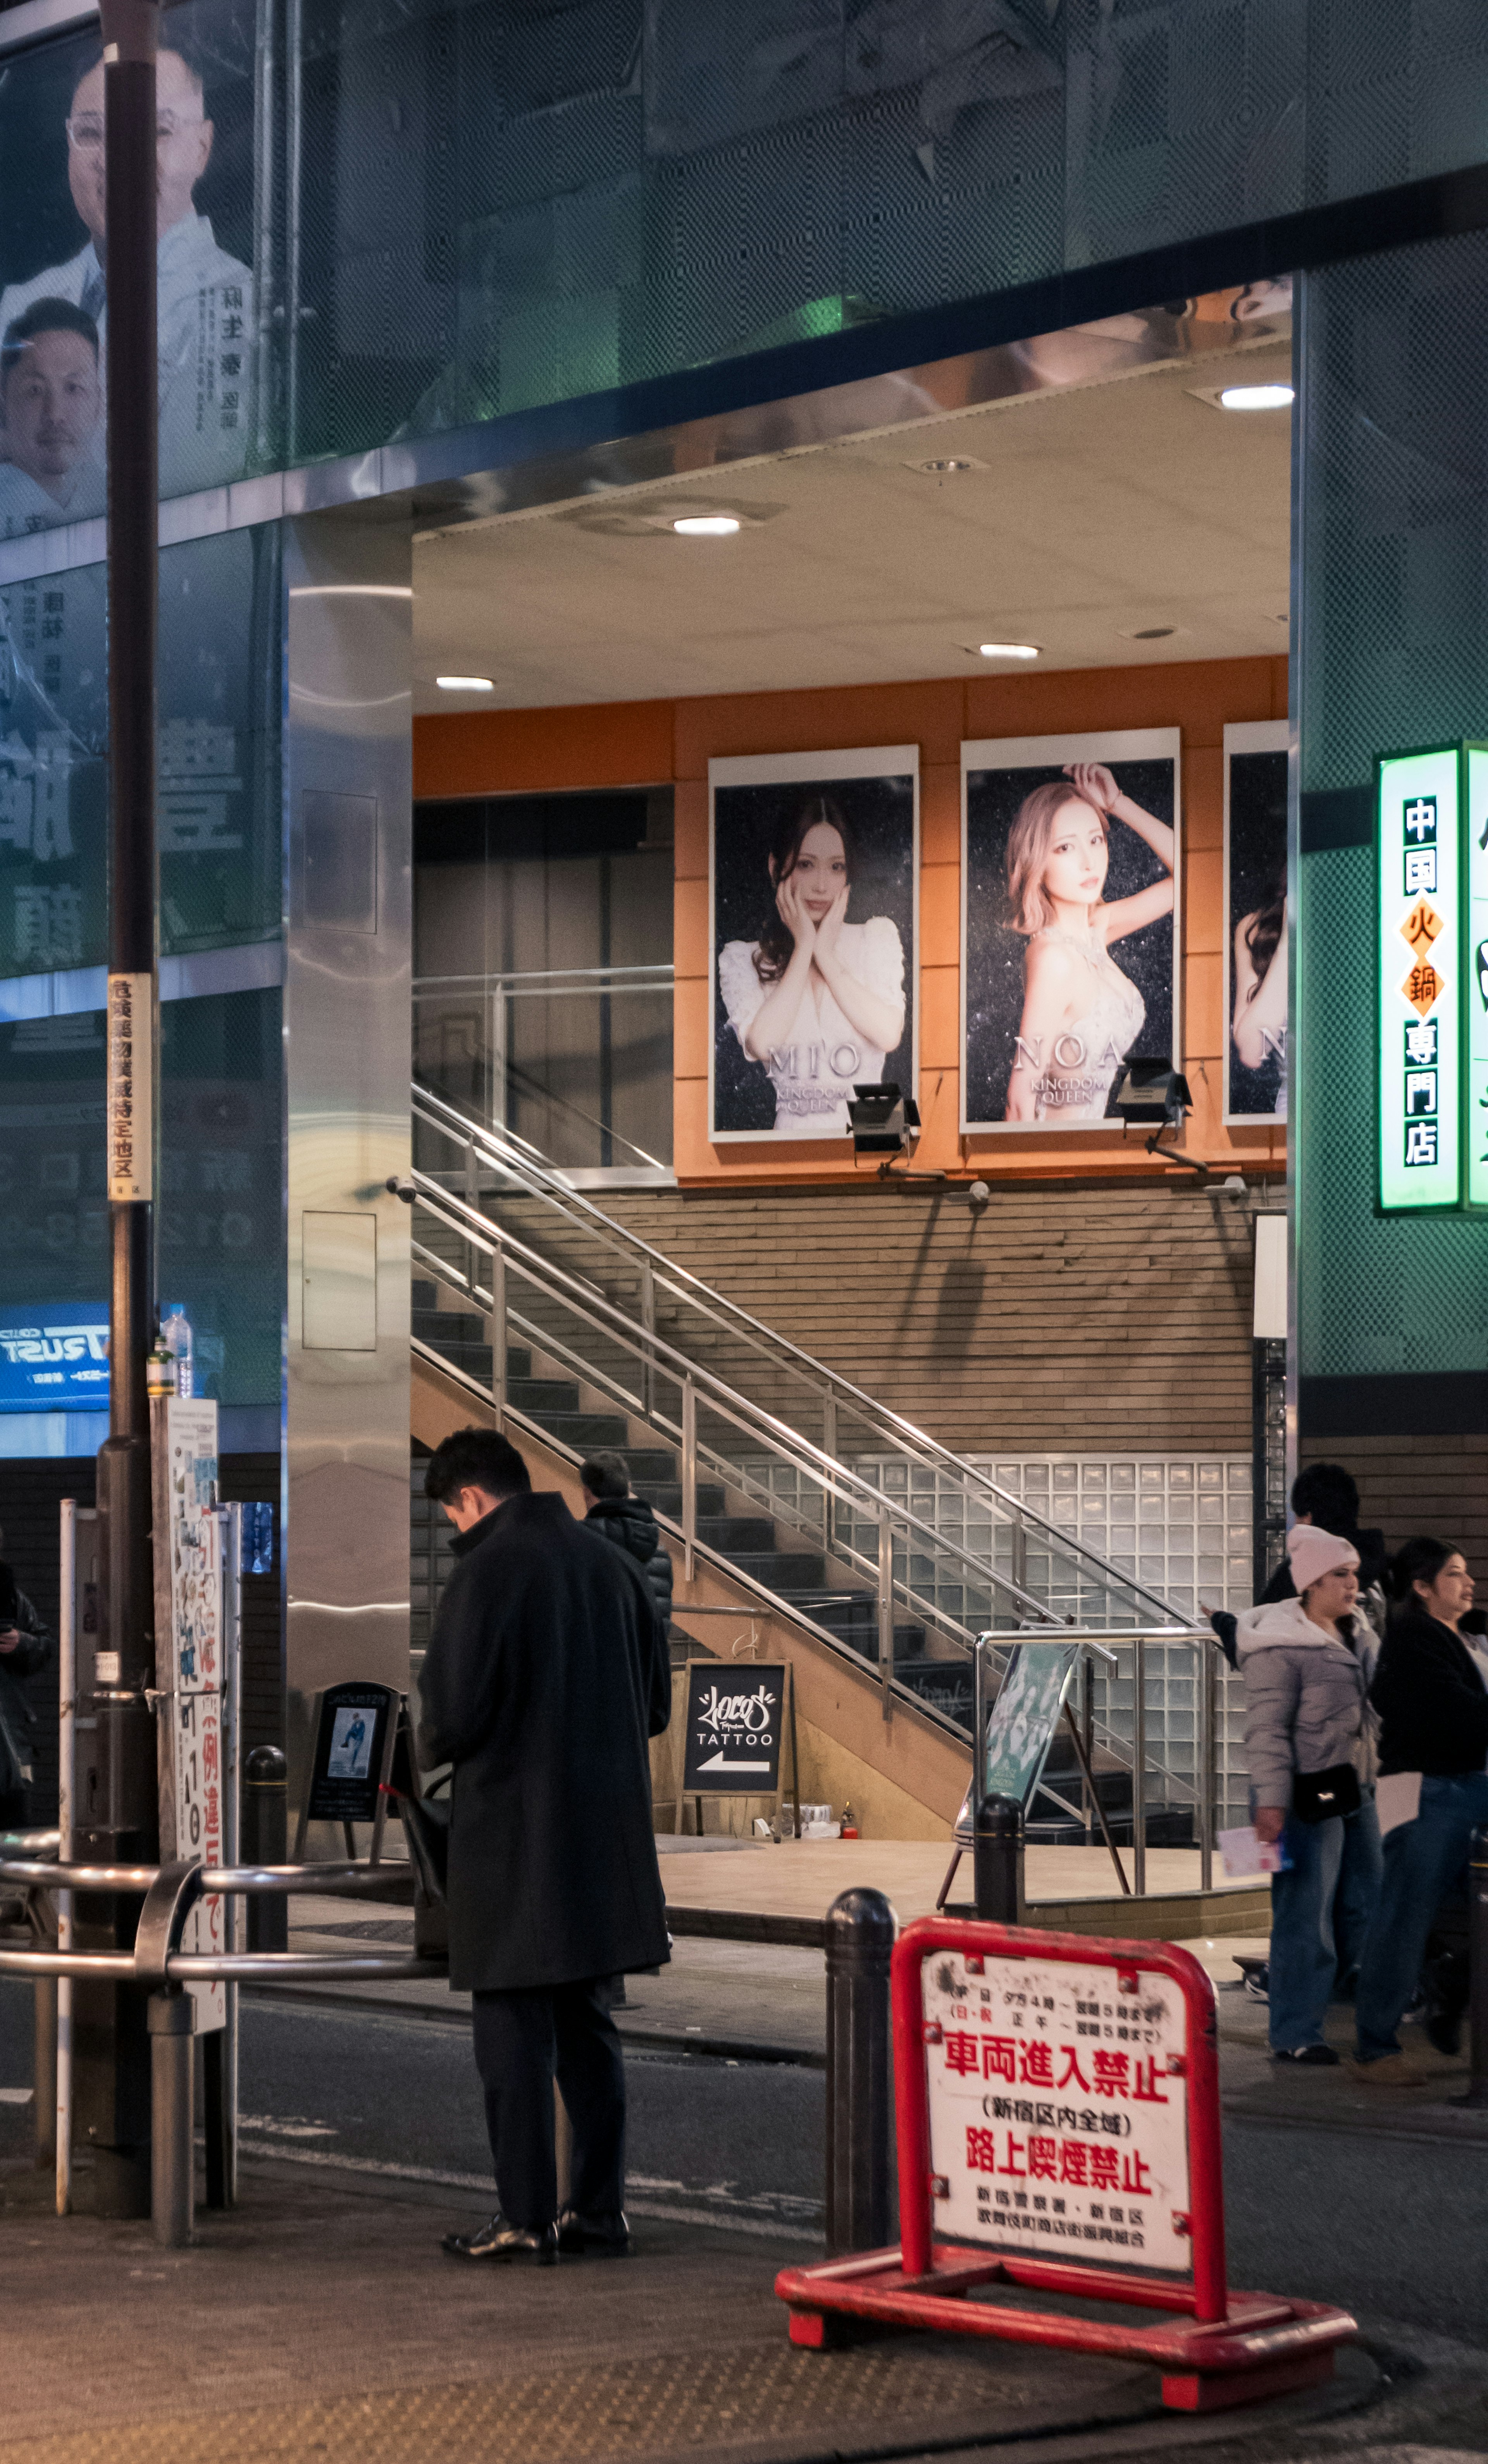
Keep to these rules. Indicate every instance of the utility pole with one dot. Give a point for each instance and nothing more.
(120, 1825)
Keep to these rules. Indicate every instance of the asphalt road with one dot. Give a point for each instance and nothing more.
(1393, 2227)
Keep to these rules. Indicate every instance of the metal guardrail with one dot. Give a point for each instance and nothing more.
(158, 1967)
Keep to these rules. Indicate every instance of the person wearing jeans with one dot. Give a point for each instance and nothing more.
(1306, 1664)
(1432, 1697)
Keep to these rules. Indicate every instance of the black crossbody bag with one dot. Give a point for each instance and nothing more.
(1318, 1796)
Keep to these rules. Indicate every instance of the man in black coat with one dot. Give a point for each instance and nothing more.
(612, 1507)
(546, 1673)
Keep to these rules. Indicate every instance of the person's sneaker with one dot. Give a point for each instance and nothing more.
(1444, 2032)
(1256, 1978)
(1317, 2057)
(1390, 2070)
(607, 2236)
(500, 2239)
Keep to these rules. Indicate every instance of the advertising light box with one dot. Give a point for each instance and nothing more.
(1474, 983)
(1419, 925)
(55, 1359)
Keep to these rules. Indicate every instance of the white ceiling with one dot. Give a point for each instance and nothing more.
(1094, 513)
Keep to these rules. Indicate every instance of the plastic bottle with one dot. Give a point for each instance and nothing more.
(176, 1337)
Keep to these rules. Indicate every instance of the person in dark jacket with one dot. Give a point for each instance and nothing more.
(25, 1648)
(1430, 1692)
(626, 1520)
(546, 1673)
(1326, 1495)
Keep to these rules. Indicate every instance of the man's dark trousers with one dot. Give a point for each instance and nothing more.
(523, 2039)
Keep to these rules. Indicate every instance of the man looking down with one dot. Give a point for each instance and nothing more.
(546, 1673)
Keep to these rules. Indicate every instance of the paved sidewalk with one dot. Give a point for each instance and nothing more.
(321, 2319)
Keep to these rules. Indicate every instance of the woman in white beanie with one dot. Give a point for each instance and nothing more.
(1306, 1664)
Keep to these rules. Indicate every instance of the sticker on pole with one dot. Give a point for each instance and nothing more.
(1057, 2108)
(131, 1087)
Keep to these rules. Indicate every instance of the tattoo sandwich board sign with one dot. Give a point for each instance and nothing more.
(736, 1712)
(1058, 2116)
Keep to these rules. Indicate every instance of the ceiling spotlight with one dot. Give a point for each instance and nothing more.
(707, 526)
(464, 684)
(1256, 397)
(1007, 649)
(949, 465)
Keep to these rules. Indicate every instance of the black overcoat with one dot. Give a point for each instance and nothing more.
(547, 1670)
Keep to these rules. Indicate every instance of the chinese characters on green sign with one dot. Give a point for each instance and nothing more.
(1432, 1125)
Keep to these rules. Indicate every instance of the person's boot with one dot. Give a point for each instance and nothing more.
(602, 2237)
(500, 2240)
(1447, 1986)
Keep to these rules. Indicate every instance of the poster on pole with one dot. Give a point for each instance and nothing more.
(735, 1719)
(813, 881)
(1069, 891)
(1021, 1726)
(1256, 922)
(187, 1441)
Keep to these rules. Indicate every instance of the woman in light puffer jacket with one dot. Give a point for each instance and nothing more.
(1306, 1664)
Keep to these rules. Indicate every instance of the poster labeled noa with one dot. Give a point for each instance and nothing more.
(1069, 890)
(1254, 906)
(814, 873)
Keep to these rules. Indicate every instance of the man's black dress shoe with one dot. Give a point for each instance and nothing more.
(537, 2244)
(602, 2237)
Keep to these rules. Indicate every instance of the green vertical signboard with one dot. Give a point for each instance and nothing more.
(1419, 922)
(1474, 970)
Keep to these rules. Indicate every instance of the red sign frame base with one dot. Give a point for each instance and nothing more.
(1214, 2348)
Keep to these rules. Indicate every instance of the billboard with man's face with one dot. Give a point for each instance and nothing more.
(53, 267)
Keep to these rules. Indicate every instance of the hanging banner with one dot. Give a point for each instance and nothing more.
(1475, 978)
(1255, 909)
(1419, 934)
(131, 1086)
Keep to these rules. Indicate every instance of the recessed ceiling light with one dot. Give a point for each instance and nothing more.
(1153, 633)
(464, 684)
(1007, 649)
(1256, 397)
(707, 526)
(949, 465)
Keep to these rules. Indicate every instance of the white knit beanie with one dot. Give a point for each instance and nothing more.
(1315, 1554)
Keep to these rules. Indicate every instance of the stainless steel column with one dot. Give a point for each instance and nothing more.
(347, 1015)
(1139, 1767)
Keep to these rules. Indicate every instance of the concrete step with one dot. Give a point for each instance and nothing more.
(589, 1430)
(737, 1534)
(541, 1396)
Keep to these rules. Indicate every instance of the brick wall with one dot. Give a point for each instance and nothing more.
(1065, 1315)
(1407, 1485)
(31, 1496)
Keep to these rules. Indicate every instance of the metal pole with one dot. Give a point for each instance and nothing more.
(1206, 1765)
(997, 1860)
(44, 2073)
(265, 1827)
(113, 2084)
(1477, 1967)
(1139, 1770)
(861, 1928)
(647, 1327)
(828, 1447)
(886, 1610)
(689, 1477)
(498, 1332)
(67, 1715)
(172, 2148)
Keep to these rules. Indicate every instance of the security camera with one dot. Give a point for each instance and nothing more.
(978, 1197)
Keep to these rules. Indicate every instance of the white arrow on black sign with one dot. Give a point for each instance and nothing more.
(722, 1762)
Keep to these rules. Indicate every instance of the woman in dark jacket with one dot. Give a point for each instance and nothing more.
(628, 1521)
(1430, 1692)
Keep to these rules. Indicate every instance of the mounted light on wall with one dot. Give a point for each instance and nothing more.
(884, 1122)
(1151, 1093)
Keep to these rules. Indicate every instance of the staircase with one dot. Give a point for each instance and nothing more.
(793, 1488)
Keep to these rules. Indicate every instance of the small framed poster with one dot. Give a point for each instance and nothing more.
(356, 1731)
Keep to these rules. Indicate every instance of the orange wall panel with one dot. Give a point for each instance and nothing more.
(644, 743)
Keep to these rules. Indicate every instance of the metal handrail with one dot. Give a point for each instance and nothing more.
(505, 1152)
(601, 1314)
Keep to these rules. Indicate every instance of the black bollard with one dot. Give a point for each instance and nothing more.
(998, 1855)
(861, 1928)
(266, 1789)
(1477, 1967)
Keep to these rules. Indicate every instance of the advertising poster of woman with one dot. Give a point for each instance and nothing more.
(1069, 886)
(814, 880)
(1254, 906)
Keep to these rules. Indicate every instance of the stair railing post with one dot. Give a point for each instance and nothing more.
(828, 1447)
(1139, 1768)
(498, 1332)
(886, 1608)
(689, 1477)
(647, 1328)
(1205, 1778)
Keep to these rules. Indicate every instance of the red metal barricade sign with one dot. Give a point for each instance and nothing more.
(1058, 2107)
(1058, 2110)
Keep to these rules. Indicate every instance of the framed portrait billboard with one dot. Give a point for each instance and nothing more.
(1255, 909)
(814, 924)
(1070, 849)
